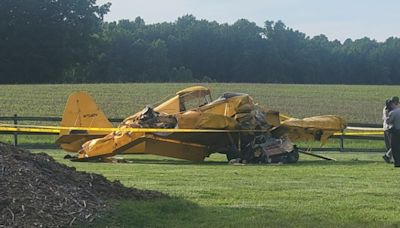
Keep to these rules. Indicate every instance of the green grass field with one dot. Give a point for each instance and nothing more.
(357, 190)
(355, 103)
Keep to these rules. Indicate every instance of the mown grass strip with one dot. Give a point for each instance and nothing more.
(357, 190)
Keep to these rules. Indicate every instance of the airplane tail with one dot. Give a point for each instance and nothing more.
(81, 111)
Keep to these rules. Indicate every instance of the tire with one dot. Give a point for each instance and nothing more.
(277, 159)
(292, 157)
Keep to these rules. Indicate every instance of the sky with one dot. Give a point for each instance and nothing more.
(337, 19)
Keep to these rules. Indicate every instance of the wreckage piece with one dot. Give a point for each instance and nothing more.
(308, 152)
(264, 148)
(317, 128)
(236, 113)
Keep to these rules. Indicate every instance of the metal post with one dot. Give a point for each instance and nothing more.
(15, 133)
(342, 141)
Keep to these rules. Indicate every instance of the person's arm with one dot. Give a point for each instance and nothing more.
(390, 118)
(385, 114)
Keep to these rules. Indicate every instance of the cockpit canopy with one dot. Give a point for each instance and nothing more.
(187, 99)
(193, 97)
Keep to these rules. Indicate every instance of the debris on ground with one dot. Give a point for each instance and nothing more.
(36, 191)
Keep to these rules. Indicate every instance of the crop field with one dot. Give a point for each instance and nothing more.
(362, 104)
(358, 190)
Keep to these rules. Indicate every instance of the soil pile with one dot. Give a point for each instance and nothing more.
(36, 191)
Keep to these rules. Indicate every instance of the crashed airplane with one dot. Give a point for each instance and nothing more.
(191, 126)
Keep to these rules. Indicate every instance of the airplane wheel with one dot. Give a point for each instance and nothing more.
(292, 157)
(277, 159)
(288, 158)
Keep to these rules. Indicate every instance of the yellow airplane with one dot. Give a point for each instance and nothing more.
(191, 126)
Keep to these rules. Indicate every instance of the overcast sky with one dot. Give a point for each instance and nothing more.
(337, 19)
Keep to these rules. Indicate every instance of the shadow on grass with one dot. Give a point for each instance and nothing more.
(335, 163)
(157, 160)
(170, 162)
(183, 213)
(220, 163)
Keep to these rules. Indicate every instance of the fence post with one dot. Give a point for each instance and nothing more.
(15, 133)
(342, 141)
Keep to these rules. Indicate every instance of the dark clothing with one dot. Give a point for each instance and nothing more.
(394, 121)
(395, 144)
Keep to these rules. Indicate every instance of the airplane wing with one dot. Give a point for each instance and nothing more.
(318, 128)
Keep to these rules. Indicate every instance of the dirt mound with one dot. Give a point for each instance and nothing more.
(36, 191)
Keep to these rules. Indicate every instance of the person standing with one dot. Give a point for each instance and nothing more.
(394, 121)
(395, 100)
(388, 107)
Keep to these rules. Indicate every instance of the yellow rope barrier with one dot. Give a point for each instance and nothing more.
(58, 129)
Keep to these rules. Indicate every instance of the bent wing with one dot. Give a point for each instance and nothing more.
(318, 128)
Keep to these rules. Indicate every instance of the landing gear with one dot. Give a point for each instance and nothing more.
(292, 157)
(263, 149)
(287, 158)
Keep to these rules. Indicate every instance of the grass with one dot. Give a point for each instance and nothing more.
(355, 103)
(356, 191)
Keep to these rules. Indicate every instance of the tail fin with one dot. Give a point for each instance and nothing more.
(81, 111)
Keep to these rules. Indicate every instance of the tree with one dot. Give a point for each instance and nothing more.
(42, 40)
(66, 41)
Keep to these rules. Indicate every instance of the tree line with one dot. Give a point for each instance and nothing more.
(67, 41)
